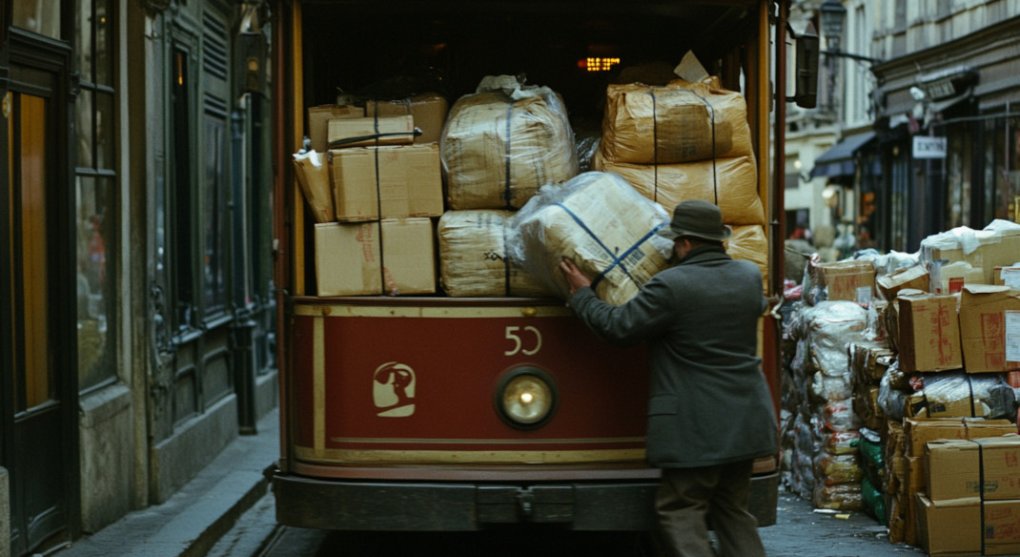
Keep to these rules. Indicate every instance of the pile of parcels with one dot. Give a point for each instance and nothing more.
(484, 199)
(900, 391)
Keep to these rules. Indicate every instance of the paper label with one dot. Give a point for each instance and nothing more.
(1012, 335)
(1011, 277)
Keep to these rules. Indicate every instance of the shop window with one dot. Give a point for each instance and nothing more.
(95, 199)
(181, 204)
(214, 215)
(38, 16)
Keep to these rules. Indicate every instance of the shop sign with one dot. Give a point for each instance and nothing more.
(927, 147)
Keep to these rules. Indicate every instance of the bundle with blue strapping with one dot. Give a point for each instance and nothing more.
(504, 142)
(599, 222)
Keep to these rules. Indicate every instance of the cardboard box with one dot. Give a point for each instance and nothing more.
(1002, 527)
(918, 432)
(1008, 275)
(929, 333)
(993, 249)
(843, 279)
(352, 259)
(912, 277)
(361, 132)
(1000, 467)
(983, 327)
(952, 469)
(949, 527)
(318, 121)
(409, 182)
(428, 111)
(951, 278)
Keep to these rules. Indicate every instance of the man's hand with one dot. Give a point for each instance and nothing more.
(576, 279)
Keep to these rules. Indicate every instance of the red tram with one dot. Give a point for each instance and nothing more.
(442, 413)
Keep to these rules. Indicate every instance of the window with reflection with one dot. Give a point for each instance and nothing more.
(38, 16)
(95, 189)
(214, 217)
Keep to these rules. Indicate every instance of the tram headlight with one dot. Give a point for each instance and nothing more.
(526, 397)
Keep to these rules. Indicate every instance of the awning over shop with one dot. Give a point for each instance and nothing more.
(839, 160)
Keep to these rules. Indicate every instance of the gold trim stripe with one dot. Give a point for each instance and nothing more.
(435, 441)
(344, 456)
(319, 383)
(317, 310)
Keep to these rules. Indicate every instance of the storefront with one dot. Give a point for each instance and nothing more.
(949, 135)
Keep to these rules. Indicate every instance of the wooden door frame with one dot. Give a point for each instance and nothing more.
(26, 53)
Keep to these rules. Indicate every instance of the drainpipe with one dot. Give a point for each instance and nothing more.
(244, 325)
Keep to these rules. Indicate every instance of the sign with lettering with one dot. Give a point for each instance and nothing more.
(927, 147)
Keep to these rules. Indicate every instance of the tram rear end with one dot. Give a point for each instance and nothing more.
(435, 413)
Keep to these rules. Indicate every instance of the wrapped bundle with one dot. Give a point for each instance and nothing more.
(749, 243)
(678, 122)
(313, 178)
(503, 143)
(473, 260)
(600, 223)
(732, 183)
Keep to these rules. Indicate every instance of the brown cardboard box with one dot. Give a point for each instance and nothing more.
(318, 121)
(428, 111)
(347, 259)
(953, 469)
(919, 431)
(929, 333)
(911, 277)
(949, 527)
(1008, 275)
(360, 132)
(982, 327)
(843, 279)
(1002, 527)
(1000, 248)
(349, 262)
(951, 278)
(409, 181)
(1000, 467)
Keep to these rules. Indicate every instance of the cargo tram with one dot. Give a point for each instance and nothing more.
(441, 413)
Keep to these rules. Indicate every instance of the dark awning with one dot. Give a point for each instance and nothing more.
(839, 160)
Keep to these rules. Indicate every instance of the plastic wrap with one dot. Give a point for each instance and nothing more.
(960, 394)
(504, 142)
(831, 328)
(839, 416)
(832, 469)
(841, 443)
(890, 399)
(827, 388)
(873, 501)
(586, 148)
(473, 259)
(844, 497)
(599, 222)
(732, 183)
(675, 123)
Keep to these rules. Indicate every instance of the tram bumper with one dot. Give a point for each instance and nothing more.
(451, 506)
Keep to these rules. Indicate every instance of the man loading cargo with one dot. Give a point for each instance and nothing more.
(709, 410)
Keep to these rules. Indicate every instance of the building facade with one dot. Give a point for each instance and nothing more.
(136, 329)
(926, 138)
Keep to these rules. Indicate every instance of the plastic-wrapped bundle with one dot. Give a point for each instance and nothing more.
(503, 143)
(839, 416)
(841, 442)
(873, 501)
(678, 122)
(832, 469)
(832, 327)
(828, 388)
(959, 394)
(473, 259)
(844, 497)
(601, 224)
(731, 182)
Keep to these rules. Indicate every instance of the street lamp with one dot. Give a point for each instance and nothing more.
(832, 15)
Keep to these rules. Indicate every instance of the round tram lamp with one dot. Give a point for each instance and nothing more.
(525, 397)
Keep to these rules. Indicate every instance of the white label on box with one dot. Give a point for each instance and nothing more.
(1012, 318)
(864, 296)
(1011, 277)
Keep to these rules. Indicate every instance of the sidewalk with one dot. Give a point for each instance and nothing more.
(191, 522)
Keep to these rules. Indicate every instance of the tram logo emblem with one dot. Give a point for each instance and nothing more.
(393, 390)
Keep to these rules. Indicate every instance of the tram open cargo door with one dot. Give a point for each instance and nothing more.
(425, 389)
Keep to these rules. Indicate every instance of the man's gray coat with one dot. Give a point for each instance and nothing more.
(709, 402)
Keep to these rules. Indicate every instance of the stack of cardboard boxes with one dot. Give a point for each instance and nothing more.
(386, 186)
(940, 362)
